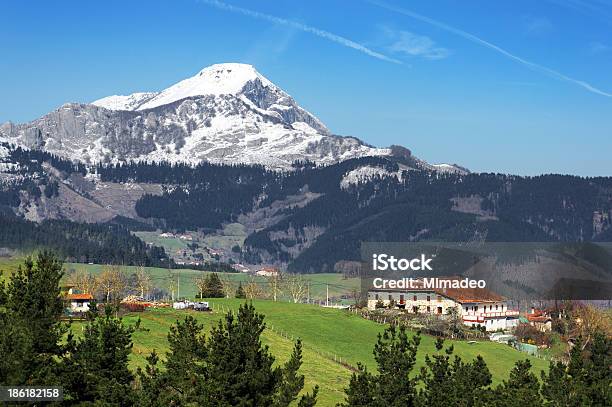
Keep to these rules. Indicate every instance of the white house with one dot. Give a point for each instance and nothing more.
(476, 306)
(78, 302)
(267, 272)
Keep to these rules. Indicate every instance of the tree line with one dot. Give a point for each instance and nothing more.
(106, 243)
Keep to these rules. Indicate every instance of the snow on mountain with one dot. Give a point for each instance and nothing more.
(365, 174)
(218, 79)
(226, 113)
(449, 168)
(129, 102)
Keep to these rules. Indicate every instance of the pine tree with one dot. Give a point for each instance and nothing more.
(96, 366)
(240, 371)
(395, 355)
(33, 306)
(521, 389)
(213, 287)
(585, 380)
(361, 389)
(240, 291)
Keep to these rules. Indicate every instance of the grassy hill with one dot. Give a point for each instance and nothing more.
(329, 335)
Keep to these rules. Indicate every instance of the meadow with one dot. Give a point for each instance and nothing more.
(185, 278)
(333, 341)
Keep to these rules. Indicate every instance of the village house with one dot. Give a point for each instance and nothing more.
(240, 268)
(267, 272)
(539, 319)
(76, 301)
(476, 306)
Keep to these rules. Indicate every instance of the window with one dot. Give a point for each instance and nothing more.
(496, 307)
(376, 296)
(439, 299)
(414, 298)
(415, 309)
(390, 297)
(429, 298)
(467, 308)
(401, 298)
(428, 308)
(439, 310)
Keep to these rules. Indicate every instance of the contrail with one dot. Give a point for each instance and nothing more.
(303, 27)
(480, 41)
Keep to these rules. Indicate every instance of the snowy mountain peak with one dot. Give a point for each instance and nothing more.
(225, 113)
(218, 79)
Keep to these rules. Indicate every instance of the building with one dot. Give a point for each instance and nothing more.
(78, 302)
(476, 306)
(241, 268)
(540, 320)
(74, 300)
(267, 272)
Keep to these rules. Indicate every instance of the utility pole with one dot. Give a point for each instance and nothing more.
(178, 285)
(308, 292)
(327, 296)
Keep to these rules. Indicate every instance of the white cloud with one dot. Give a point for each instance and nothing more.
(477, 40)
(300, 26)
(417, 45)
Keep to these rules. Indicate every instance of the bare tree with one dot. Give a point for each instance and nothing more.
(171, 285)
(83, 281)
(252, 289)
(201, 283)
(297, 287)
(275, 284)
(142, 282)
(587, 321)
(229, 287)
(112, 282)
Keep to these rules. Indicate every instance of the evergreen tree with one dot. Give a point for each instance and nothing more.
(96, 366)
(213, 287)
(361, 389)
(16, 350)
(520, 390)
(32, 307)
(585, 380)
(456, 384)
(240, 291)
(395, 355)
(240, 371)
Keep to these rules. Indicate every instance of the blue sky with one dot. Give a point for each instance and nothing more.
(518, 86)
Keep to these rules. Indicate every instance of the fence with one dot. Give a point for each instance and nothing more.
(332, 357)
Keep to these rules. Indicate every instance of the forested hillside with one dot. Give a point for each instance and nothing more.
(311, 217)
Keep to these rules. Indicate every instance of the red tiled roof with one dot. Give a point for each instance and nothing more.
(464, 295)
(538, 318)
(79, 297)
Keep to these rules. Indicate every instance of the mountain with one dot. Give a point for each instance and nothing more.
(226, 113)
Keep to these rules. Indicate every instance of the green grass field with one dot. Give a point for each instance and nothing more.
(327, 334)
(162, 278)
(8, 265)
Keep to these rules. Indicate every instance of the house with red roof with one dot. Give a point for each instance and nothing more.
(76, 301)
(476, 306)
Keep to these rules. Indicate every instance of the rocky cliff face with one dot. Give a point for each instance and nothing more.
(227, 113)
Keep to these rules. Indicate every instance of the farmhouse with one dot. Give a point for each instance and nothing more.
(539, 319)
(78, 302)
(476, 306)
(75, 300)
(267, 272)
